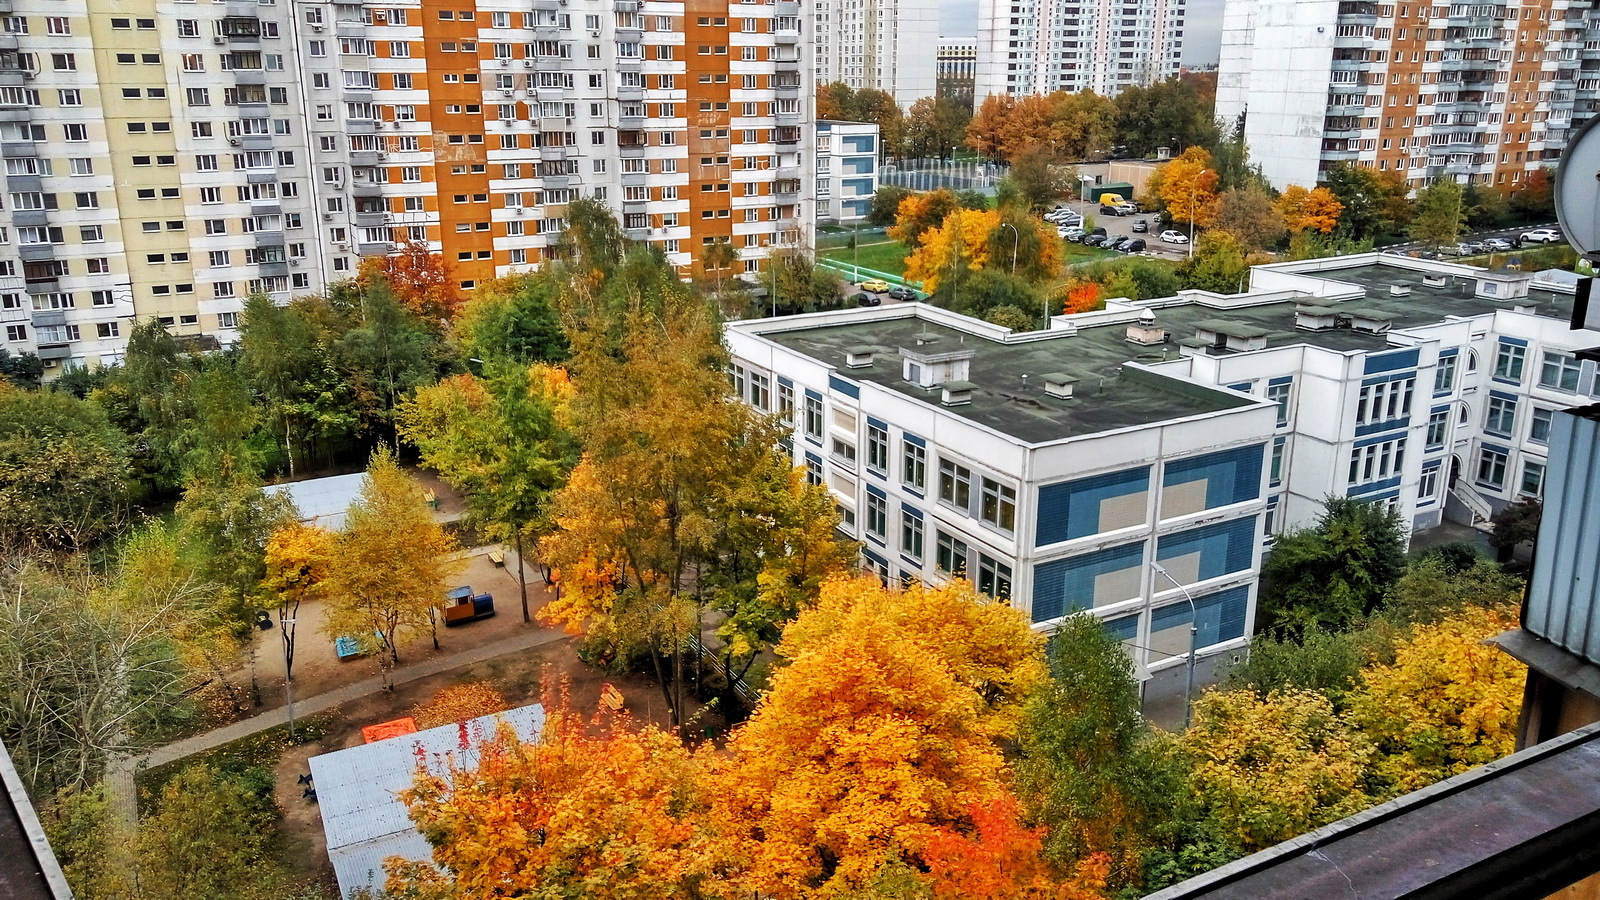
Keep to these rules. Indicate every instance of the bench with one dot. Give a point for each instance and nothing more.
(498, 557)
(611, 698)
(430, 498)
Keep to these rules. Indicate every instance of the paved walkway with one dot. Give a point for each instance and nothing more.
(120, 772)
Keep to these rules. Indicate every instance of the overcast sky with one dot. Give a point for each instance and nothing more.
(959, 18)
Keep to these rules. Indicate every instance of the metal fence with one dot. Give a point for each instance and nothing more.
(932, 174)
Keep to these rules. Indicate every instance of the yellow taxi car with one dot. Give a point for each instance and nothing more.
(876, 285)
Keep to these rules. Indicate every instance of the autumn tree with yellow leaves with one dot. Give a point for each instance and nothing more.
(682, 502)
(393, 560)
(1187, 187)
(881, 730)
(298, 561)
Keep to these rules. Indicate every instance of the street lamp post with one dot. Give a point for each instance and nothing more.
(1194, 190)
(1016, 239)
(1194, 633)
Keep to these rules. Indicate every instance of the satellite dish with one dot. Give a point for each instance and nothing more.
(1578, 189)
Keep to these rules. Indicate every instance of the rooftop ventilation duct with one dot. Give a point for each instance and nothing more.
(1145, 331)
(1315, 318)
(859, 357)
(1060, 385)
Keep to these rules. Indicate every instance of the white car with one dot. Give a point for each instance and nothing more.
(1071, 233)
(1174, 237)
(1542, 236)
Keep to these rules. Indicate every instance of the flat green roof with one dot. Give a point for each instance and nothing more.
(1106, 397)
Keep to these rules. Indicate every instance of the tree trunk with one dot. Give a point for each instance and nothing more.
(661, 679)
(522, 579)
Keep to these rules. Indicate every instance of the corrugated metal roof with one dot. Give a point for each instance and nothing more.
(322, 501)
(358, 791)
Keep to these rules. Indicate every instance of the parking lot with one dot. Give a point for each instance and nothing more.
(1123, 225)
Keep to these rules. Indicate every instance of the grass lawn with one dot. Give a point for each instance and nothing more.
(887, 256)
(1075, 254)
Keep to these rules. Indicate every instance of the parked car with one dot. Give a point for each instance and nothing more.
(1174, 237)
(867, 300)
(1134, 245)
(876, 285)
(1542, 236)
(1072, 234)
(1094, 240)
(1498, 245)
(903, 293)
(1117, 242)
(1100, 230)
(1141, 226)
(1128, 209)
(1110, 211)
(464, 606)
(1470, 248)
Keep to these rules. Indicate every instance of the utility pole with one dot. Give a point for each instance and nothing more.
(1194, 190)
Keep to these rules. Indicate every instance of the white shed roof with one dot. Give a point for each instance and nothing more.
(358, 791)
(322, 501)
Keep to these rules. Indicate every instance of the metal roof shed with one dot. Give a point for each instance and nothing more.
(358, 792)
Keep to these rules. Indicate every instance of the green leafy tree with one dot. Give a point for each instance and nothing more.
(1536, 200)
(64, 471)
(514, 319)
(1334, 572)
(497, 439)
(382, 359)
(1486, 207)
(1326, 662)
(25, 369)
(148, 398)
(1439, 214)
(1040, 179)
(1247, 213)
(1516, 523)
(935, 127)
(280, 356)
(1090, 768)
(593, 241)
(886, 205)
(1221, 264)
(1432, 589)
(1012, 317)
(1165, 114)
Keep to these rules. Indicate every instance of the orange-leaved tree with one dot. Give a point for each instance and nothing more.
(959, 246)
(883, 729)
(1314, 210)
(419, 278)
(1447, 703)
(1002, 860)
(1187, 186)
(593, 808)
(920, 213)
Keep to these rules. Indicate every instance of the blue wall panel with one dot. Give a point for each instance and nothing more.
(1232, 476)
(1223, 548)
(1064, 585)
(1071, 509)
(1221, 616)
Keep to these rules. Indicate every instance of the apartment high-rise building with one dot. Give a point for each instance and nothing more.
(1481, 93)
(1043, 46)
(168, 159)
(885, 45)
(957, 67)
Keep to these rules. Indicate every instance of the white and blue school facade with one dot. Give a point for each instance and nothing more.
(1089, 515)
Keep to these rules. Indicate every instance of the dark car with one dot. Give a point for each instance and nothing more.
(1099, 231)
(867, 300)
(1141, 226)
(1136, 245)
(1094, 240)
(903, 293)
(1110, 211)
(1117, 242)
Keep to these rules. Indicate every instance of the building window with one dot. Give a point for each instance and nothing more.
(1428, 486)
(911, 534)
(877, 516)
(1532, 478)
(1559, 371)
(786, 403)
(951, 556)
(1502, 415)
(1385, 401)
(814, 417)
(1444, 375)
(1279, 394)
(1277, 463)
(1438, 424)
(760, 391)
(1377, 462)
(1539, 425)
(998, 504)
(1492, 468)
(877, 449)
(955, 484)
(913, 465)
(844, 452)
(994, 578)
(1508, 361)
